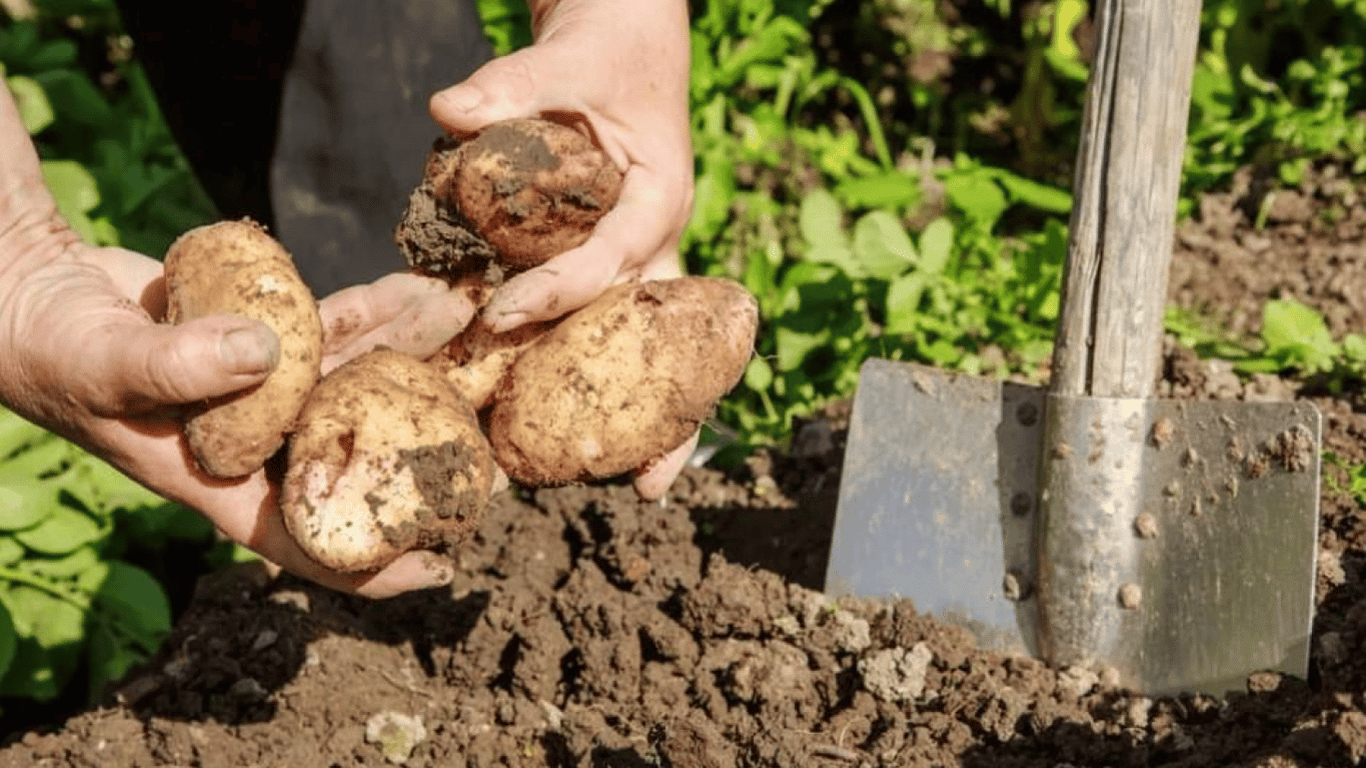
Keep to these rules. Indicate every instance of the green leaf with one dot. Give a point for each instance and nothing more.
(76, 98)
(758, 375)
(51, 620)
(24, 506)
(132, 600)
(881, 245)
(715, 190)
(11, 551)
(794, 345)
(35, 111)
(65, 531)
(110, 657)
(978, 196)
(17, 433)
(936, 244)
(903, 303)
(44, 458)
(31, 674)
(1354, 348)
(821, 220)
(72, 185)
(101, 488)
(891, 189)
(9, 641)
(1297, 335)
(1036, 195)
(64, 566)
(77, 194)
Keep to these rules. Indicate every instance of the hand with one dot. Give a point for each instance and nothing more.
(83, 356)
(619, 69)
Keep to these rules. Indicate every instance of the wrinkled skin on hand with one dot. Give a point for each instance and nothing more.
(617, 69)
(82, 353)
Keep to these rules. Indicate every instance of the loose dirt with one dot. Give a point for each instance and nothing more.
(587, 628)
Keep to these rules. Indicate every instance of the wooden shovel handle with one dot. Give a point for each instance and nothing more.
(1128, 175)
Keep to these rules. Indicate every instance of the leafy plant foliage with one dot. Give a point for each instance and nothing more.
(73, 609)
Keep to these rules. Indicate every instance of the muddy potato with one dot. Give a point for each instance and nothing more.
(387, 459)
(622, 381)
(236, 267)
(477, 361)
(517, 193)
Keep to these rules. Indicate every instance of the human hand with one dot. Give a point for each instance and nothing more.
(82, 354)
(617, 69)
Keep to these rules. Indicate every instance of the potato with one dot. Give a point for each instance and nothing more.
(388, 458)
(622, 381)
(236, 267)
(518, 193)
(477, 361)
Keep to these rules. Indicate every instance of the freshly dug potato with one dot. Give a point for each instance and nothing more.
(387, 459)
(477, 361)
(518, 193)
(236, 267)
(622, 381)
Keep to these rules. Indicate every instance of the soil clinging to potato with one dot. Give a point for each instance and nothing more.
(506, 199)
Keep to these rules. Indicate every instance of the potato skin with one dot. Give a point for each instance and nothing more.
(518, 193)
(622, 381)
(236, 267)
(477, 361)
(387, 459)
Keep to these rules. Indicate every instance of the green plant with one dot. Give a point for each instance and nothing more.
(1294, 338)
(1278, 86)
(71, 597)
(822, 183)
(67, 597)
(117, 173)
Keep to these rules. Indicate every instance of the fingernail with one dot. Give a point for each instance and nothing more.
(463, 98)
(249, 350)
(502, 323)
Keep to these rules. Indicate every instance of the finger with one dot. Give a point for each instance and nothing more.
(138, 367)
(640, 230)
(421, 330)
(653, 480)
(357, 310)
(264, 532)
(409, 313)
(411, 571)
(504, 88)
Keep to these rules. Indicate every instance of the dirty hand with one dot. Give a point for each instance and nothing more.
(619, 70)
(82, 354)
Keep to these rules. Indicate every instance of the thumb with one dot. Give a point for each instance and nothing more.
(142, 367)
(505, 88)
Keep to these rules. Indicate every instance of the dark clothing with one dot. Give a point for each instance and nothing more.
(308, 116)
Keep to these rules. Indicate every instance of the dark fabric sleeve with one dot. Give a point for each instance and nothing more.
(218, 68)
(309, 116)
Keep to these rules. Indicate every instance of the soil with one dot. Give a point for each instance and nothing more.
(587, 628)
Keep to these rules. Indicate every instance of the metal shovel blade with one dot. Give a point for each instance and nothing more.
(1185, 558)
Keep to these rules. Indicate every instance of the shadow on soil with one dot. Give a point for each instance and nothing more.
(251, 639)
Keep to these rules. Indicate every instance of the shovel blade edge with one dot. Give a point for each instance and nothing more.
(939, 503)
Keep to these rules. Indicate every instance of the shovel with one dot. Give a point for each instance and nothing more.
(1089, 524)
